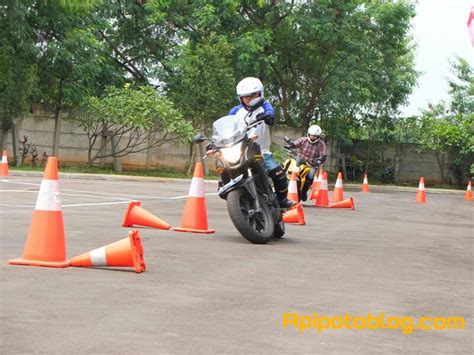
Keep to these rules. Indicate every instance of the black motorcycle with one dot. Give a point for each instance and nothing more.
(251, 201)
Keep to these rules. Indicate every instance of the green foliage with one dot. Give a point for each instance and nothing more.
(202, 85)
(17, 67)
(449, 129)
(127, 117)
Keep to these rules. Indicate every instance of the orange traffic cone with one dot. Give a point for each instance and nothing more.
(347, 203)
(338, 193)
(195, 215)
(365, 184)
(45, 245)
(4, 165)
(125, 252)
(468, 194)
(421, 193)
(293, 189)
(136, 215)
(295, 215)
(323, 198)
(316, 185)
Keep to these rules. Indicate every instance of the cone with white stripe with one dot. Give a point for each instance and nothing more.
(338, 193)
(468, 194)
(365, 184)
(127, 252)
(421, 193)
(316, 185)
(4, 164)
(323, 197)
(46, 245)
(136, 215)
(195, 214)
(293, 188)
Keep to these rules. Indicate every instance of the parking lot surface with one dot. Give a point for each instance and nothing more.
(217, 293)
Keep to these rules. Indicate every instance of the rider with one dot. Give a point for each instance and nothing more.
(249, 89)
(312, 149)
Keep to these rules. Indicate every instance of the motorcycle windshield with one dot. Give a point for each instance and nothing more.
(226, 132)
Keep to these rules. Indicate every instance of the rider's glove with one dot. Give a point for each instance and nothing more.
(268, 118)
(289, 146)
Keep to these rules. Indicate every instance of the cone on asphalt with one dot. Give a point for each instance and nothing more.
(127, 252)
(136, 215)
(338, 193)
(293, 188)
(365, 184)
(295, 215)
(195, 215)
(421, 193)
(46, 245)
(316, 185)
(323, 198)
(347, 203)
(4, 164)
(468, 194)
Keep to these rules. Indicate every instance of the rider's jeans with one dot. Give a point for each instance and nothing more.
(270, 163)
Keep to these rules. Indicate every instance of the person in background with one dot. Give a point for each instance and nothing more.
(312, 149)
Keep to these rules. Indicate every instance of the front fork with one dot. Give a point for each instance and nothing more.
(253, 190)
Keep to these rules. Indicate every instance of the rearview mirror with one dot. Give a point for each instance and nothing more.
(198, 138)
(287, 140)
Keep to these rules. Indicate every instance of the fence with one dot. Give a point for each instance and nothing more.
(407, 162)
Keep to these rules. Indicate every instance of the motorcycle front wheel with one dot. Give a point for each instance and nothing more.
(256, 227)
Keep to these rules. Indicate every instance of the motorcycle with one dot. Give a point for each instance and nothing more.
(298, 165)
(251, 202)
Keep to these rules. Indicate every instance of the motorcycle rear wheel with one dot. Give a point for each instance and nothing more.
(258, 227)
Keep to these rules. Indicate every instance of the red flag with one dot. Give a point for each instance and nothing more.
(470, 25)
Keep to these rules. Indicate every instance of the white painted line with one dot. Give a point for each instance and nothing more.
(10, 205)
(95, 196)
(97, 204)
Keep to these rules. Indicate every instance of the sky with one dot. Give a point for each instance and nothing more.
(440, 31)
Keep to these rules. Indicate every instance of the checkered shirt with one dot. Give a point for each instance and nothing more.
(310, 151)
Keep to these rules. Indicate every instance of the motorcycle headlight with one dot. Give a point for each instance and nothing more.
(296, 169)
(232, 154)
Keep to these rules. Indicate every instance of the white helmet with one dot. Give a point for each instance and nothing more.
(314, 130)
(248, 86)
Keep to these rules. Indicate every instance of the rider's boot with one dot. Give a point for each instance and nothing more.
(304, 190)
(281, 187)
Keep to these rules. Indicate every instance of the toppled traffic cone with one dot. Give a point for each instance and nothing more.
(293, 188)
(127, 252)
(4, 164)
(347, 203)
(195, 215)
(295, 215)
(323, 198)
(421, 193)
(45, 245)
(136, 215)
(365, 184)
(316, 185)
(338, 193)
(468, 194)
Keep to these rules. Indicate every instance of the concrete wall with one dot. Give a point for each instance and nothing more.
(39, 128)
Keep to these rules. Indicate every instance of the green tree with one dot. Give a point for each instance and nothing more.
(448, 129)
(17, 65)
(202, 85)
(128, 117)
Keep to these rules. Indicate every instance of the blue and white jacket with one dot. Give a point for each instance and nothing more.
(262, 130)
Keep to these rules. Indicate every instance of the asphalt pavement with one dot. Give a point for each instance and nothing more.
(217, 293)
